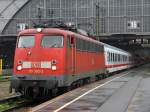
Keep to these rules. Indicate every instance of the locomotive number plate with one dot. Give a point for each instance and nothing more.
(36, 71)
(36, 65)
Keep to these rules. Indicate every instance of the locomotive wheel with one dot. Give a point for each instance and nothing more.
(100, 77)
(68, 88)
(79, 83)
(54, 92)
(65, 89)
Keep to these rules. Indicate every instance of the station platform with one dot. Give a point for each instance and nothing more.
(124, 92)
(5, 78)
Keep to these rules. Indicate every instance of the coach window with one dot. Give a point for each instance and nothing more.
(115, 57)
(108, 56)
(124, 58)
(52, 41)
(120, 58)
(111, 57)
(26, 41)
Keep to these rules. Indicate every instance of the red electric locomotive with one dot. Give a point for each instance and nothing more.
(48, 59)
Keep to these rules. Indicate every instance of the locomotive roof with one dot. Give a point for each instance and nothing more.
(44, 30)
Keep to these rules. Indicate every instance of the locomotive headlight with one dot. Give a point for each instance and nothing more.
(39, 29)
(19, 67)
(54, 67)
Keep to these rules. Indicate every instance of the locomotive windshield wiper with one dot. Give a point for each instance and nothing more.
(53, 45)
(28, 52)
(23, 46)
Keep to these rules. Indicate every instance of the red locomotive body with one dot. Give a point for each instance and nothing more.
(48, 59)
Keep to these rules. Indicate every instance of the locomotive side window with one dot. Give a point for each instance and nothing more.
(72, 40)
(52, 41)
(85, 45)
(68, 41)
(26, 41)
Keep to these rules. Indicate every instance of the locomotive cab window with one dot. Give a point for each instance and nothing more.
(52, 41)
(26, 41)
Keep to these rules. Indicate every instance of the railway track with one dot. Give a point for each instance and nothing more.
(17, 103)
(13, 102)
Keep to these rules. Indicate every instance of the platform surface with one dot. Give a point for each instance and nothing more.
(125, 92)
